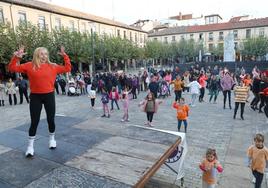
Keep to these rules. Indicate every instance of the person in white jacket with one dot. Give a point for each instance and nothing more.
(194, 90)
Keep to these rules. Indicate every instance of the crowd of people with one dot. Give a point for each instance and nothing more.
(46, 77)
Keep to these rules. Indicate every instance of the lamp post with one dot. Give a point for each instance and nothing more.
(92, 32)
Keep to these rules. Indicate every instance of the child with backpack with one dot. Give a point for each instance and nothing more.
(105, 101)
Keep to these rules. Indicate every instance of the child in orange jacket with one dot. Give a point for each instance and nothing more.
(210, 165)
(182, 113)
(257, 159)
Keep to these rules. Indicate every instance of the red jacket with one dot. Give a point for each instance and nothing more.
(41, 79)
(202, 81)
(116, 95)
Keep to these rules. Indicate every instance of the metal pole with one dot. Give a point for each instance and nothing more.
(93, 51)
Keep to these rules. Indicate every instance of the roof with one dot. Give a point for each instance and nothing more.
(69, 12)
(213, 15)
(163, 26)
(237, 18)
(260, 22)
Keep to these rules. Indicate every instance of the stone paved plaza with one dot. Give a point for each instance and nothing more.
(209, 126)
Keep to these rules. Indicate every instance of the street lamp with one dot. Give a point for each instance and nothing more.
(92, 32)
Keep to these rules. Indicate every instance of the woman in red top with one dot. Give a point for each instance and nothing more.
(42, 74)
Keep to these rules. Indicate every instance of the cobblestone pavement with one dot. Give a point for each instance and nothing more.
(209, 126)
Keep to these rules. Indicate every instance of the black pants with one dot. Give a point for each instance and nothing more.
(112, 104)
(150, 116)
(255, 101)
(36, 102)
(242, 109)
(134, 92)
(259, 177)
(92, 102)
(225, 97)
(24, 92)
(177, 94)
(62, 86)
(186, 89)
(10, 98)
(266, 106)
(262, 97)
(202, 94)
(56, 87)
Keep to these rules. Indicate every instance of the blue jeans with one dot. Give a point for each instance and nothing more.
(185, 125)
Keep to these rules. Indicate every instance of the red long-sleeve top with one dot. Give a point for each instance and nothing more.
(41, 80)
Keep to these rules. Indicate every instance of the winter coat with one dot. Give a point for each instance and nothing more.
(116, 95)
(194, 87)
(11, 88)
(227, 82)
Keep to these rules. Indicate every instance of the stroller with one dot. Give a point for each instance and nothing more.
(163, 89)
(72, 90)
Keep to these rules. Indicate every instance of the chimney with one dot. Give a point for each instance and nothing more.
(180, 16)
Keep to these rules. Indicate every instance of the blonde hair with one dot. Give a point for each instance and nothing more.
(36, 57)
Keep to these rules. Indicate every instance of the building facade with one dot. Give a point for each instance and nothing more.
(51, 17)
(213, 33)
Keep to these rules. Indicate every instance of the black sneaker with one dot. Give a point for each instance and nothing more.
(103, 115)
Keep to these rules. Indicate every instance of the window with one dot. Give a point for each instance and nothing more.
(210, 36)
(221, 37)
(173, 38)
(125, 34)
(141, 38)
(144, 39)
(1, 16)
(136, 38)
(155, 39)
(41, 22)
(22, 17)
(201, 36)
(130, 36)
(261, 32)
(118, 33)
(210, 47)
(211, 19)
(235, 34)
(191, 36)
(248, 33)
(166, 40)
(71, 25)
(182, 37)
(57, 24)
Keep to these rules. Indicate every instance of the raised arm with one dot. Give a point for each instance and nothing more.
(14, 66)
(67, 63)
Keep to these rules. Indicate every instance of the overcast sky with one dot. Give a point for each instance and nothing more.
(128, 11)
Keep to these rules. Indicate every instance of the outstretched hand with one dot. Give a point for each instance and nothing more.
(62, 51)
(20, 53)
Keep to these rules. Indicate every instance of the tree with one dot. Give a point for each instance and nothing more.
(255, 47)
(7, 43)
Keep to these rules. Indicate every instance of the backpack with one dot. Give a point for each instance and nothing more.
(105, 99)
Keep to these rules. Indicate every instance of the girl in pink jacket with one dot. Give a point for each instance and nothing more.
(114, 96)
